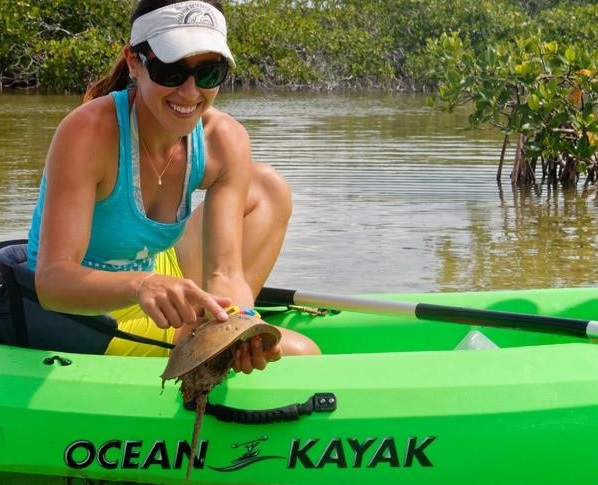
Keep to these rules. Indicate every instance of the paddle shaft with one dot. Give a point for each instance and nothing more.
(429, 311)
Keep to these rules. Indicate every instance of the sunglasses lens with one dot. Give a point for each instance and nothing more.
(207, 76)
(169, 75)
(211, 75)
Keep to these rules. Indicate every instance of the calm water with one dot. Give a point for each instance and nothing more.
(389, 196)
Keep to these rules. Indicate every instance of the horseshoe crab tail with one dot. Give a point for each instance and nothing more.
(199, 412)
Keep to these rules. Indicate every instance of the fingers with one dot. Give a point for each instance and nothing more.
(250, 355)
(176, 309)
(273, 353)
(172, 302)
(166, 306)
(154, 312)
(216, 306)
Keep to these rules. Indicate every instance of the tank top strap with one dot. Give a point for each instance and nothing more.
(121, 102)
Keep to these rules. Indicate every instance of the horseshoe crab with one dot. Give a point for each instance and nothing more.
(203, 358)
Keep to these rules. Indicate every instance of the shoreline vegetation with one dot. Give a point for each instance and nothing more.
(60, 46)
(527, 67)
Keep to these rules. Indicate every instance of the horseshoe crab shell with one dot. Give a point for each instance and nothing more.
(213, 337)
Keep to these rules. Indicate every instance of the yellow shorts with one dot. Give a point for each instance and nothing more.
(133, 319)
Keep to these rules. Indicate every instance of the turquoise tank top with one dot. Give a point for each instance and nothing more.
(122, 237)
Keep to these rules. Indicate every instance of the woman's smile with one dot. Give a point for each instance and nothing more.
(184, 110)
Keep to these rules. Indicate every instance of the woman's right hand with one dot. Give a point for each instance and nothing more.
(173, 302)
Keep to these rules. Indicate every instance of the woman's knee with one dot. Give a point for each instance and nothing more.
(294, 343)
(269, 186)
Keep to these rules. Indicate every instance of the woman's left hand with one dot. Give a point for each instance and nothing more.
(250, 355)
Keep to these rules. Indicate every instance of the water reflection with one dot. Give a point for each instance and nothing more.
(27, 123)
(538, 239)
(388, 195)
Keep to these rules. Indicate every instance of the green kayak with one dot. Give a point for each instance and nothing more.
(393, 399)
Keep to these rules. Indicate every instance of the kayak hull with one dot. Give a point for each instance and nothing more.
(409, 408)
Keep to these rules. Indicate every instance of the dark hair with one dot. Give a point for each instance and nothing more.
(117, 77)
(146, 6)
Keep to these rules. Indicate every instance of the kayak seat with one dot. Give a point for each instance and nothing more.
(23, 321)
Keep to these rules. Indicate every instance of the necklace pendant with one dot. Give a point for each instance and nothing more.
(172, 152)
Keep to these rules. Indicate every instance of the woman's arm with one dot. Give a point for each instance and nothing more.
(228, 174)
(227, 178)
(80, 164)
(81, 168)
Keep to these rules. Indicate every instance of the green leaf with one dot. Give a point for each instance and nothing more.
(453, 77)
(534, 102)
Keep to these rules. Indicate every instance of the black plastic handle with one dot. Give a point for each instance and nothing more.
(321, 402)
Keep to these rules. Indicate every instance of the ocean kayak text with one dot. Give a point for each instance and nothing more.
(302, 453)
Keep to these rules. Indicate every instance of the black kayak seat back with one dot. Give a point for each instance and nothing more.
(23, 321)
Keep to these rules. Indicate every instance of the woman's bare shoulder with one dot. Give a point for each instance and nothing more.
(228, 147)
(221, 124)
(94, 118)
(86, 140)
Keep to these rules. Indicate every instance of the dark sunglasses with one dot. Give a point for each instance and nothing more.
(207, 75)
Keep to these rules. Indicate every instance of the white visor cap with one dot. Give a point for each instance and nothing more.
(182, 30)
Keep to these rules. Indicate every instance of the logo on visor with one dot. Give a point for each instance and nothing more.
(199, 14)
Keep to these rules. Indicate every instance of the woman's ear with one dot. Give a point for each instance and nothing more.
(132, 61)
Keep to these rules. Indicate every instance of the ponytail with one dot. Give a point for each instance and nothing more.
(116, 79)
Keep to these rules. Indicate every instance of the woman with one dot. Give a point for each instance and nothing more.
(113, 229)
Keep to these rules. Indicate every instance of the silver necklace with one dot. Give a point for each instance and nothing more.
(158, 174)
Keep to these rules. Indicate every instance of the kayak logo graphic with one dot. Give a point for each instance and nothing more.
(251, 455)
(311, 453)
